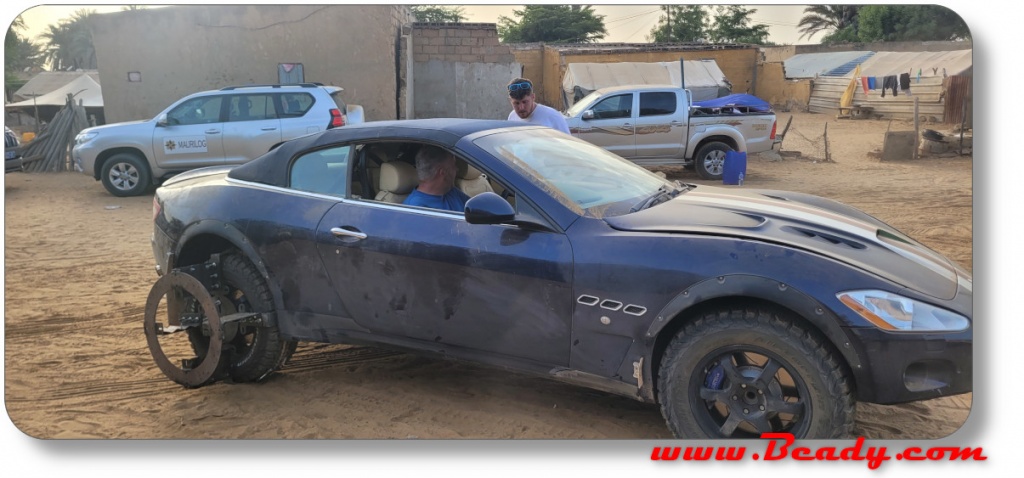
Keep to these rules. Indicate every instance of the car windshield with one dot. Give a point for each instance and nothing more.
(582, 104)
(583, 177)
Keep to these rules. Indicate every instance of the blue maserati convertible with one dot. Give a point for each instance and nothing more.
(737, 311)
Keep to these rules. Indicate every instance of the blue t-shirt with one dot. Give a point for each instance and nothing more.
(453, 200)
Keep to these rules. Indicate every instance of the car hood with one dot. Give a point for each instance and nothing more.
(113, 126)
(808, 222)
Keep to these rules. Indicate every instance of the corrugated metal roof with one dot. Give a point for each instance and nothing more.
(846, 68)
(931, 63)
(809, 65)
(48, 81)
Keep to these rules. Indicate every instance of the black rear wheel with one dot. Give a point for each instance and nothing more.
(741, 373)
(254, 351)
(710, 160)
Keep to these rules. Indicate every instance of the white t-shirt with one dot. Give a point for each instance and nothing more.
(543, 115)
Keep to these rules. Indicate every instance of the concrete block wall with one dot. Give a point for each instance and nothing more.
(460, 70)
(180, 50)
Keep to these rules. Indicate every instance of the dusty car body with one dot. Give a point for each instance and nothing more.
(738, 311)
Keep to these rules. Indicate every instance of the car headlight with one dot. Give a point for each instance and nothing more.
(84, 138)
(889, 311)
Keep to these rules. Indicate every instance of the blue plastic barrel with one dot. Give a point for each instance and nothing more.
(735, 168)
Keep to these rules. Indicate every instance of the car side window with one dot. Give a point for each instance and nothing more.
(323, 171)
(202, 110)
(619, 106)
(290, 105)
(657, 103)
(251, 108)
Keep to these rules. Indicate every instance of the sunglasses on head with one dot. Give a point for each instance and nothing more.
(525, 85)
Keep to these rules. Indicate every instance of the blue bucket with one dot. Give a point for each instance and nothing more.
(735, 168)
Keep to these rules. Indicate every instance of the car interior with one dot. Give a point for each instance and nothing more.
(386, 172)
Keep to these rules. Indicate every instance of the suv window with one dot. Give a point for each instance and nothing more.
(619, 106)
(251, 107)
(324, 171)
(201, 110)
(657, 103)
(294, 104)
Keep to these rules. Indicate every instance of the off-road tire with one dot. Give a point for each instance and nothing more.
(255, 358)
(709, 162)
(125, 174)
(805, 356)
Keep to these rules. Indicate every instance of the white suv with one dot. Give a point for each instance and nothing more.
(232, 125)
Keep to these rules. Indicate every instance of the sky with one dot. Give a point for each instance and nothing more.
(625, 23)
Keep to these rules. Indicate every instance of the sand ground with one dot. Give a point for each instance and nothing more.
(78, 268)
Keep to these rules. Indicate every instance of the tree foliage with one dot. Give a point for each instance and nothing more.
(910, 23)
(19, 52)
(732, 25)
(830, 19)
(68, 44)
(552, 24)
(695, 23)
(682, 24)
(870, 23)
(437, 14)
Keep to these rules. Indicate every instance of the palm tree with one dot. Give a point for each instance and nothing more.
(820, 18)
(68, 44)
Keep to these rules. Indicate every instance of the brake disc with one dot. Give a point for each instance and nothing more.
(187, 375)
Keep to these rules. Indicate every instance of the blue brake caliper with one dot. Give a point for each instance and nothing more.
(715, 378)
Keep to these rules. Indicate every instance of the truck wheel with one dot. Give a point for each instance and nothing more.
(741, 373)
(256, 351)
(125, 174)
(710, 160)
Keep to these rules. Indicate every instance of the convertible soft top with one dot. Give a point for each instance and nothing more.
(272, 168)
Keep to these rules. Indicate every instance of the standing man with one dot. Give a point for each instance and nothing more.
(526, 109)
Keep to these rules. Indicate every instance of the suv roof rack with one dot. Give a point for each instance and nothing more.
(275, 85)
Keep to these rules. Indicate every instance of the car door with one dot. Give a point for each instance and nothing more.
(431, 276)
(298, 116)
(612, 125)
(252, 127)
(660, 132)
(193, 135)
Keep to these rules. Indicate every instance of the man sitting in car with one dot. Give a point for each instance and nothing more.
(436, 171)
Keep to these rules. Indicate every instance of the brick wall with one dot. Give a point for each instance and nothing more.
(462, 42)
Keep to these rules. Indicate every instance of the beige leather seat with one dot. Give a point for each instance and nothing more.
(471, 181)
(397, 180)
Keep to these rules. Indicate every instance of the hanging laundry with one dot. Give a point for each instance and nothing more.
(905, 83)
(872, 82)
(864, 83)
(890, 82)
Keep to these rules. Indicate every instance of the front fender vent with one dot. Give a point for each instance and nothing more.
(826, 237)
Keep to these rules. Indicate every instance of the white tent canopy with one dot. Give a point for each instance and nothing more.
(84, 89)
(703, 78)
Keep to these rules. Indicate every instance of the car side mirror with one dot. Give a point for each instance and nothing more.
(161, 120)
(589, 114)
(489, 208)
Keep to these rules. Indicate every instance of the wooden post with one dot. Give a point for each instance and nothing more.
(917, 127)
(963, 122)
(828, 155)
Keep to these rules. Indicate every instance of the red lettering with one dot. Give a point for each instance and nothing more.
(667, 453)
(913, 454)
(802, 454)
(783, 450)
(700, 453)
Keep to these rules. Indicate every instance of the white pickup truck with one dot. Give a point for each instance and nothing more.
(655, 125)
